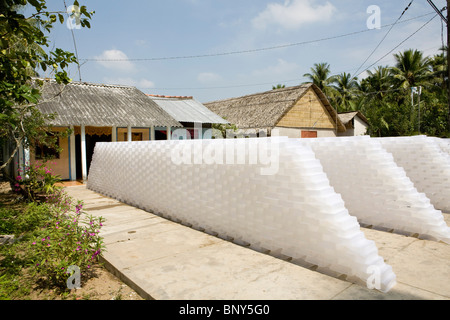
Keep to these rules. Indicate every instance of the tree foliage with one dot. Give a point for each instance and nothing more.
(24, 49)
(386, 96)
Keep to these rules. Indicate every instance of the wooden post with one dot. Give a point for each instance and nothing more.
(114, 134)
(83, 153)
(169, 133)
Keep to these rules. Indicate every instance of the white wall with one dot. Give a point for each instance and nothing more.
(360, 127)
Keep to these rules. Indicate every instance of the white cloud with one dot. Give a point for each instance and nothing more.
(128, 81)
(141, 43)
(293, 14)
(144, 83)
(282, 68)
(208, 77)
(121, 65)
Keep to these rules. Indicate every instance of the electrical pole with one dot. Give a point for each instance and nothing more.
(445, 19)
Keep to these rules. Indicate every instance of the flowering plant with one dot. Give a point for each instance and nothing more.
(35, 180)
(71, 237)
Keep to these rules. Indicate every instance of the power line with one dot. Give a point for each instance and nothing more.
(439, 12)
(243, 84)
(246, 51)
(373, 51)
(410, 36)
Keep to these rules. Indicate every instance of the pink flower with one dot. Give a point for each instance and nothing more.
(18, 178)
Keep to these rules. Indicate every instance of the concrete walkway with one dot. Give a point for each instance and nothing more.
(164, 260)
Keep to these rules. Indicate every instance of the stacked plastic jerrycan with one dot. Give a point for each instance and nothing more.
(425, 163)
(270, 193)
(375, 189)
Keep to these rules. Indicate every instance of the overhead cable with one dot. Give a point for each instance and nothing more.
(245, 51)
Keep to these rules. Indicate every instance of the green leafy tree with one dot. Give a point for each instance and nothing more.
(384, 95)
(24, 49)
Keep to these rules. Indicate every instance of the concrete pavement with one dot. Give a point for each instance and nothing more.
(164, 260)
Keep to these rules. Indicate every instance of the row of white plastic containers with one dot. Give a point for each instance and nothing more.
(300, 198)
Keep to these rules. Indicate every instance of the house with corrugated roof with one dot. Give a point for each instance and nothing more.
(96, 112)
(105, 113)
(197, 120)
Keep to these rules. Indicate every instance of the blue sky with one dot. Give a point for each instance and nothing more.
(178, 28)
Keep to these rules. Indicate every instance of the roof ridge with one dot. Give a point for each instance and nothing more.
(92, 84)
(168, 97)
(273, 91)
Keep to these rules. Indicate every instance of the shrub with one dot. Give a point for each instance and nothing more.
(71, 237)
(36, 180)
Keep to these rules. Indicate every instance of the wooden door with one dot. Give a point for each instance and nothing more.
(309, 134)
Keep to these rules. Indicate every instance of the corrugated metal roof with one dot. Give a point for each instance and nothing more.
(81, 103)
(187, 109)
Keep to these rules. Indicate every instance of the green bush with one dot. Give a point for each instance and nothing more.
(36, 181)
(71, 237)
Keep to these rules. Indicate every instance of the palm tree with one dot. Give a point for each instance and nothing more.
(412, 69)
(378, 82)
(438, 65)
(320, 76)
(278, 86)
(345, 87)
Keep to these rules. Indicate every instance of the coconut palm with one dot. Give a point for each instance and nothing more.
(438, 65)
(320, 76)
(345, 87)
(378, 82)
(278, 86)
(411, 69)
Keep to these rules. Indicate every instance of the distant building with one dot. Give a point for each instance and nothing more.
(298, 112)
(355, 122)
(193, 115)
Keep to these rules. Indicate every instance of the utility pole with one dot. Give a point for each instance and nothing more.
(445, 19)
